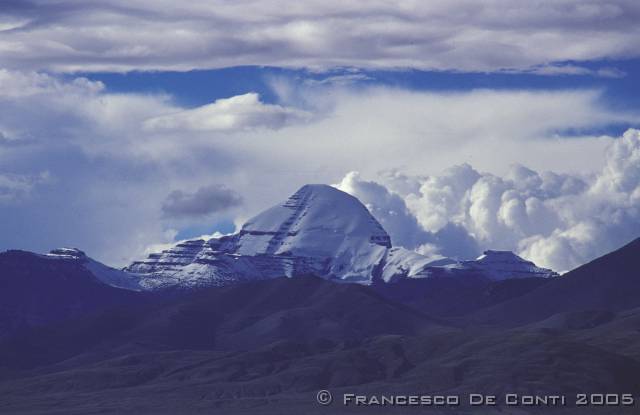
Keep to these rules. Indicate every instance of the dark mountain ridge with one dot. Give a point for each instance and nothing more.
(36, 290)
(611, 282)
(268, 346)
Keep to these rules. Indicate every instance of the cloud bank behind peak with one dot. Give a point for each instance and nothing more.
(556, 220)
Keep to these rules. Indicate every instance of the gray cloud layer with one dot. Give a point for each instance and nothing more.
(462, 35)
(204, 201)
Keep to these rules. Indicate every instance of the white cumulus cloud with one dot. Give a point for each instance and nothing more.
(556, 220)
(389, 208)
(237, 113)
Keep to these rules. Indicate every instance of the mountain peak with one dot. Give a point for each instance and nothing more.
(321, 188)
(492, 255)
(317, 219)
(67, 253)
(506, 264)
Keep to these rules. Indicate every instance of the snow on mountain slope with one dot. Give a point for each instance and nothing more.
(500, 265)
(494, 265)
(319, 230)
(110, 276)
(318, 221)
(403, 263)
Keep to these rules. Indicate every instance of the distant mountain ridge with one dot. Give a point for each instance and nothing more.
(319, 230)
(611, 282)
(37, 290)
(110, 276)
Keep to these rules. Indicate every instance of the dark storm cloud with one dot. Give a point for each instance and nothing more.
(204, 201)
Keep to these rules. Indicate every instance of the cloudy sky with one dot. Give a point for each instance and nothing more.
(463, 125)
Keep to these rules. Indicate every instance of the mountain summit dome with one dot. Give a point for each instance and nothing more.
(317, 220)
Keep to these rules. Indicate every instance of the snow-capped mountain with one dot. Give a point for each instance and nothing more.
(110, 276)
(501, 265)
(320, 230)
(494, 265)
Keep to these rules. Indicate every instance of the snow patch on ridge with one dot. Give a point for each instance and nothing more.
(110, 276)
